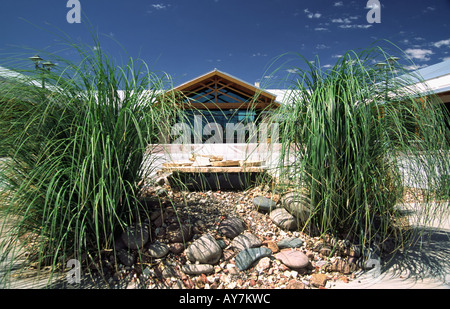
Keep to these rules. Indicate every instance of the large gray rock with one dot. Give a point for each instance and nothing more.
(245, 241)
(283, 219)
(290, 242)
(135, 237)
(297, 204)
(247, 257)
(264, 204)
(232, 227)
(158, 250)
(204, 250)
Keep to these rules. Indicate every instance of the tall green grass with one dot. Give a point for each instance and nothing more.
(349, 133)
(75, 156)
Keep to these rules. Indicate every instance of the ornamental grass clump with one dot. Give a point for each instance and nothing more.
(354, 139)
(75, 154)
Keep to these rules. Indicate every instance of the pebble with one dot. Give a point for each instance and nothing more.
(158, 250)
(247, 257)
(293, 259)
(204, 250)
(245, 240)
(264, 204)
(318, 280)
(290, 242)
(176, 248)
(297, 204)
(177, 233)
(136, 236)
(197, 269)
(263, 264)
(282, 218)
(295, 284)
(232, 227)
(271, 245)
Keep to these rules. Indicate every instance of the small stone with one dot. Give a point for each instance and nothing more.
(232, 227)
(228, 254)
(232, 270)
(179, 233)
(318, 280)
(125, 257)
(158, 250)
(168, 271)
(245, 240)
(245, 258)
(283, 219)
(135, 237)
(291, 242)
(197, 269)
(295, 284)
(264, 204)
(205, 250)
(263, 264)
(271, 245)
(293, 259)
(176, 248)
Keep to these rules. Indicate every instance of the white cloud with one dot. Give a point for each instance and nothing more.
(339, 3)
(159, 6)
(419, 53)
(311, 14)
(258, 54)
(320, 29)
(355, 26)
(442, 43)
(322, 46)
(341, 21)
(415, 67)
(293, 71)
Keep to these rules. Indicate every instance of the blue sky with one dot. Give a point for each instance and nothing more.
(187, 38)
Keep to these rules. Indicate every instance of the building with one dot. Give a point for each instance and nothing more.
(224, 116)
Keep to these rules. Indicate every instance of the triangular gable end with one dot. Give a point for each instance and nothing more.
(217, 90)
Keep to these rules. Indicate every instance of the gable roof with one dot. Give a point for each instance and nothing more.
(216, 84)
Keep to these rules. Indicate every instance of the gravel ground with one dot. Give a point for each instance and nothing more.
(204, 212)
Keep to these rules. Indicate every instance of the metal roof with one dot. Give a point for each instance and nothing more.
(434, 78)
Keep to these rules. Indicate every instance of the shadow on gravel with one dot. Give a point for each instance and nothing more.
(428, 257)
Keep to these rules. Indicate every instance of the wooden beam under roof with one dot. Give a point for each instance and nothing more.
(258, 99)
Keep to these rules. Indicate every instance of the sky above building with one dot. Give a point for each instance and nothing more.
(245, 38)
